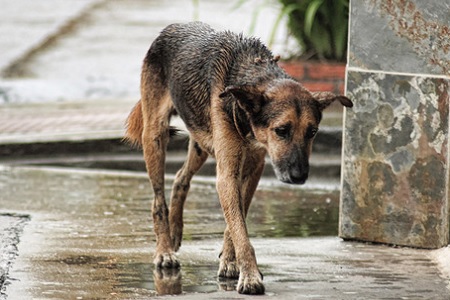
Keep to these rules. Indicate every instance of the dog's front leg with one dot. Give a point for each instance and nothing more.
(229, 188)
(251, 173)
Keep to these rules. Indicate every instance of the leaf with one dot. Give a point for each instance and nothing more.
(321, 40)
(310, 15)
(339, 28)
(286, 11)
(340, 41)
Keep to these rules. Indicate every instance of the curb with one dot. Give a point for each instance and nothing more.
(115, 154)
(327, 141)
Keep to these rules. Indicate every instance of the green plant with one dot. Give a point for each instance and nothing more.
(320, 26)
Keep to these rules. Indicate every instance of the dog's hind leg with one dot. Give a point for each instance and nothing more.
(251, 173)
(195, 159)
(157, 108)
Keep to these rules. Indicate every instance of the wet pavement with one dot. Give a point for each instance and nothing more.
(88, 235)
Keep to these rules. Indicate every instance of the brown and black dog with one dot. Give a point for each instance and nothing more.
(238, 106)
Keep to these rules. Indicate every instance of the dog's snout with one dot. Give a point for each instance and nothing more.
(293, 173)
(292, 178)
(298, 176)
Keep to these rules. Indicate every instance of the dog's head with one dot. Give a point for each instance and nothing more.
(284, 118)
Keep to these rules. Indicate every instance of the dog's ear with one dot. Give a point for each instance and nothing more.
(248, 97)
(326, 98)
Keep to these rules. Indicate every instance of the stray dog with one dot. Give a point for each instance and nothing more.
(238, 106)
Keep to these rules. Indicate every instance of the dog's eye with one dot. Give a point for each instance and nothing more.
(311, 132)
(283, 131)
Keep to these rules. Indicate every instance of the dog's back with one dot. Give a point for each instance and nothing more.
(194, 61)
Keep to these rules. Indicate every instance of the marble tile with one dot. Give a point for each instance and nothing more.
(408, 36)
(395, 187)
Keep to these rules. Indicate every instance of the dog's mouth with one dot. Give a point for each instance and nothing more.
(293, 180)
(296, 180)
(292, 177)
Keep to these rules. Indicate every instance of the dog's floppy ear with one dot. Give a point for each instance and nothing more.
(326, 98)
(248, 97)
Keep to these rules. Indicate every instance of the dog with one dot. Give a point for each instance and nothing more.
(238, 105)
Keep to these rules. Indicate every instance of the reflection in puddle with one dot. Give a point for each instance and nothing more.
(167, 281)
(294, 213)
(196, 278)
(227, 284)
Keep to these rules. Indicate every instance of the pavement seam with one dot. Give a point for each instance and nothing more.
(9, 239)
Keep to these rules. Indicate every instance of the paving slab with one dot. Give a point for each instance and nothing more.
(75, 121)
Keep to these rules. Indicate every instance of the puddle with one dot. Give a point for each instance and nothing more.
(278, 210)
(191, 278)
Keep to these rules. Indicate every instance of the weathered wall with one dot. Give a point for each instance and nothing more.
(395, 186)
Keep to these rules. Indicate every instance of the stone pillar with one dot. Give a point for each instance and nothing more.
(395, 171)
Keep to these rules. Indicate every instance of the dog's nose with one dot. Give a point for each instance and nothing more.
(298, 176)
(300, 179)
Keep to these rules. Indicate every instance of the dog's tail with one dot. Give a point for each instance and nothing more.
(135, 126)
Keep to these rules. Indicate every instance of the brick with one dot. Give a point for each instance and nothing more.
(315, 86)
(325, 71)
(295, 69)
(341, 87)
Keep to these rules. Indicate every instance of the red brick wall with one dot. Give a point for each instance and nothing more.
(317, 76)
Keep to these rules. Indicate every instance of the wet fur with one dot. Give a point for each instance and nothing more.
(238, 106)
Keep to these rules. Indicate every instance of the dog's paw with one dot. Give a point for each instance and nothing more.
(166, 260)
(228, 269)
(250, 284)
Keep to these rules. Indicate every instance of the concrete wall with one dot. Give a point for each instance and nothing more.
(395, 185)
